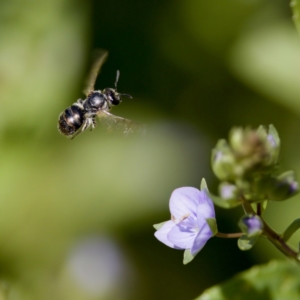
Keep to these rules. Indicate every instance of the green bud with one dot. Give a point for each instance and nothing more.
(236, 139)
(223, 161)
(284, 187)
(255, 150)
(247, 154)
(251, 225)
(263, 185)
(228, 191)
(272, 144)
(245, 143)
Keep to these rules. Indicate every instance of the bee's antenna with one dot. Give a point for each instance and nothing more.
(126, 95)
(117, 79)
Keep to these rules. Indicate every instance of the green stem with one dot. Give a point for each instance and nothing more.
(229, 235)
(273, 236)
(291, 230)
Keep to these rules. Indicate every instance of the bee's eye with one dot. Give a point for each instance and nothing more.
(112, 96)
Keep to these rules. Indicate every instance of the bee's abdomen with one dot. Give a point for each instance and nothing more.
(70, 120)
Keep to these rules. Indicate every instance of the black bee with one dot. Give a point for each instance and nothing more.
(82, 114)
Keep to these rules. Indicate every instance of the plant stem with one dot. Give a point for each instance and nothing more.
(259, 209)
(275, 238)
(229, 235)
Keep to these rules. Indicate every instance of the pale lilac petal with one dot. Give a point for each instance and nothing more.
(183, 202)
(206, 209)
(201, 222)
(183, 234)
(162, 233)
(202, 237)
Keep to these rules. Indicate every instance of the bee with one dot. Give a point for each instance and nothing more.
(82, 114)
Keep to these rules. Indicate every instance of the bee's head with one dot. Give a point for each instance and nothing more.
(113, 96)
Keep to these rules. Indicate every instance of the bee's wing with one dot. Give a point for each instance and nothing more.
(100, 57)
(119, 124)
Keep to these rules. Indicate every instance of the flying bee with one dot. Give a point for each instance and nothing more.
(82, 114)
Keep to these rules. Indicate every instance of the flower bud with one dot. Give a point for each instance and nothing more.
(228, 191)
(250, 148)
(223, 161)
(248, 152)
(272, 144)
(283, 187)
(251, 225)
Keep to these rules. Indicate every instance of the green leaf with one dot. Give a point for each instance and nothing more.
(275, 281)
(261, 130)
(274, 133)
(159, 225)
(263, 206)
(246, 243)
(212, 223)
(203, 185)
(293, 227)
(187, 256)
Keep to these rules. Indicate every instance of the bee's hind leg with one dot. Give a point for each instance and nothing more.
(90, 121)
(87, 124)
(93, 125)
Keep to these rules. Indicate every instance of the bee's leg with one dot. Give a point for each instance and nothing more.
(90, 124)
(83, 127)
(90, 120)
(86, 124)
(93, 124)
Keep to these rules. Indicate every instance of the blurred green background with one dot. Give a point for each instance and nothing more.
(76, 216)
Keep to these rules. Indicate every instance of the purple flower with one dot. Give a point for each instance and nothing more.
(251, 225)
(191, 213)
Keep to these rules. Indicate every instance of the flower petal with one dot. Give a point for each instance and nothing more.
(183, 234)
(183, 202)
(200, 240)
(206, 208)
(162, 233)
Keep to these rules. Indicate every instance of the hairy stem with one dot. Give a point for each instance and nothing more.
(229, 235)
